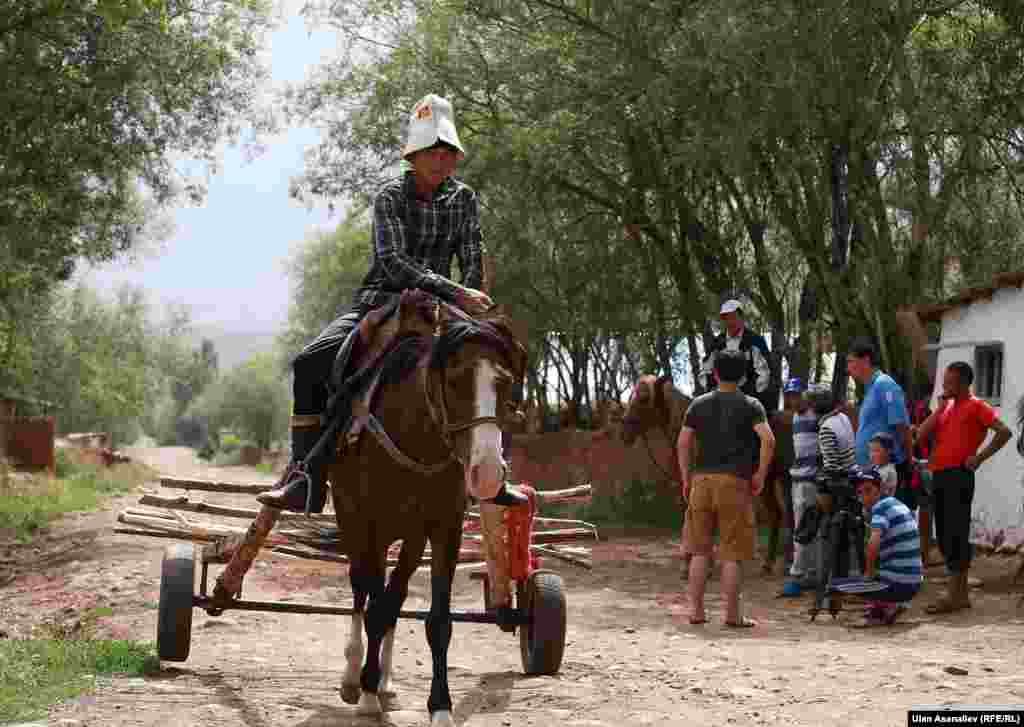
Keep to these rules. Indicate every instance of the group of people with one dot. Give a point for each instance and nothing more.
(727, 445)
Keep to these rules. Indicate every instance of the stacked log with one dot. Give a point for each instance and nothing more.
(317, 537)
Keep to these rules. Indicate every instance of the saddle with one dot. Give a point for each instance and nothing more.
(357, 368)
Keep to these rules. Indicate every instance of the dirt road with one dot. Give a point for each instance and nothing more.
(632, 658)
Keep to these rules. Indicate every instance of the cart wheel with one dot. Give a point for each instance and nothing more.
(542, 641)
(174, 619)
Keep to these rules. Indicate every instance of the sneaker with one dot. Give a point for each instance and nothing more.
(791, 589)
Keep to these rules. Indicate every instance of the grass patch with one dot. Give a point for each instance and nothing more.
(38, 673)
(29, 504)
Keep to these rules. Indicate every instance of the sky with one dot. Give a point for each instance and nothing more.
(225, 258)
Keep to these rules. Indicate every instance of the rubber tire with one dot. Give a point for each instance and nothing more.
(174, 618)
(542, 641)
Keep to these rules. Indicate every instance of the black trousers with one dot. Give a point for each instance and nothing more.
(314, 366)
(953, 493)
(905, 491)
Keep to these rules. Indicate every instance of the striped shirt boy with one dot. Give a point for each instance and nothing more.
(836, 440)
(805, 447)
(900, 552)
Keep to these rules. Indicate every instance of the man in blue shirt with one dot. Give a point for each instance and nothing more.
(884, 409)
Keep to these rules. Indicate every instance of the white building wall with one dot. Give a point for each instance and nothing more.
(999, 493)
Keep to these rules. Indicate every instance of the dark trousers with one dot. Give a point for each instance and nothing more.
(953, 493)
(314, 366)
(894, 593)
(905, 491)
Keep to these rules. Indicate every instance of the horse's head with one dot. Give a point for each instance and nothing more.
(640, 411)
(654, 403)
(479, 365)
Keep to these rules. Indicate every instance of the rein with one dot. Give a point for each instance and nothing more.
(439, 416)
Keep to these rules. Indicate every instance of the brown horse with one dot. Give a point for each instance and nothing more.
(656, 403)
(436, 439)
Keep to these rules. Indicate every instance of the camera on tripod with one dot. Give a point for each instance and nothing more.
(839, 538)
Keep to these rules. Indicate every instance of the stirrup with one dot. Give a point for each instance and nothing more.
(296, 492)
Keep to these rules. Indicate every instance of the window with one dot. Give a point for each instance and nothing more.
(988, 372)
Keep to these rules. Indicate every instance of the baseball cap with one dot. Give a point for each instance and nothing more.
(794, 386)
(431, 121)
(730, 306)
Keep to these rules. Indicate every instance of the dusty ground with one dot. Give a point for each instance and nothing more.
(632, 658)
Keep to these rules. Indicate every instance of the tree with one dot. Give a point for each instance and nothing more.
(98, 95)
(252, 399)
(829, 163)
(326, 271)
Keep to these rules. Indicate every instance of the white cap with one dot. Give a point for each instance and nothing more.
(431, 121)
(730, 306)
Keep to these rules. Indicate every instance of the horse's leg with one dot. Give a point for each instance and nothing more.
(394, 596)
(354, 650)
(444, 554)
(373, 583)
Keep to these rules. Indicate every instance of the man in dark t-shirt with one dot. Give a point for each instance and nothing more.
(735, 448)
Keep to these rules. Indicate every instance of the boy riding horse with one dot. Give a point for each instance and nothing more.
(420, 222)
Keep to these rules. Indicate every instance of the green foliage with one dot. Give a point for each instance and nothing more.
(252, 399)
(640, 161)
(109, 365)
(325, 271)
(38, 673)
(99, 95)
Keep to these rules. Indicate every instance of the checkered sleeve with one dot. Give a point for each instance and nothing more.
(389, 241)
(470, 248)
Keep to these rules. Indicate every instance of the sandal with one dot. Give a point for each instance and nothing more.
(694, 621)
(870, 622)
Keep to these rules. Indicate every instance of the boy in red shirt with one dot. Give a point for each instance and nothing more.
(961, 423)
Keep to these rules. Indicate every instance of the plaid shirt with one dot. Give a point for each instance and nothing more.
(414, 248)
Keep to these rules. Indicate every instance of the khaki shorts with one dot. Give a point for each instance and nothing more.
(724, 500)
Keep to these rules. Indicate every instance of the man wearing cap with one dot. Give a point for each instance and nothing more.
(893, 551)
(737, 337)
(421, 221)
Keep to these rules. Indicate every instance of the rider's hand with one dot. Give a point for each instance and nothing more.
(474, 301)
(972, 463)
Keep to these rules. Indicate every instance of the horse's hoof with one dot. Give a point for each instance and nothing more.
(369, 704)
(442, 718)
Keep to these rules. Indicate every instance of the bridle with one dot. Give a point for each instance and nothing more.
(438, 410)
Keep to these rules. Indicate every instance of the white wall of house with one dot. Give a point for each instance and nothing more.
(999, 494)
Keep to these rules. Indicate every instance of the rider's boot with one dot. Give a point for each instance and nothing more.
(508, 496)
(292, 490)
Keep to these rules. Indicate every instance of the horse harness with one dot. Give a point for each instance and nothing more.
(438, 414)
